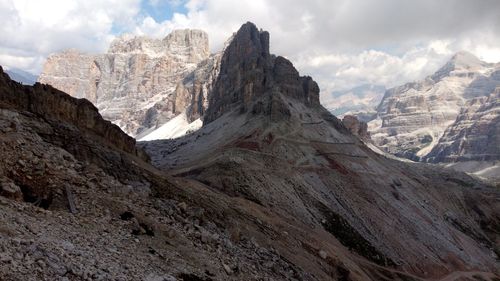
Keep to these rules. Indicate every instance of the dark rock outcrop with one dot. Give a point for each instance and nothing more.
(356, 127)
(248, 71)
(52, 104)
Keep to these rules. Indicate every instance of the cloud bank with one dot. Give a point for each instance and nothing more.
(341, 43)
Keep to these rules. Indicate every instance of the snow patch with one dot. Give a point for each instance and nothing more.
(175, 128)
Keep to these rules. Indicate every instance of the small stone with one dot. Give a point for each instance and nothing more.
(268, 264)
(41, 263)
(5, 258)
(228, 270)
(11, 190)
(183, 206)
(235, 234)
(154, 277)
(169, 277)
(205, 237)
(171, 233)
(323, 254)
(197, 213)
(18, 256)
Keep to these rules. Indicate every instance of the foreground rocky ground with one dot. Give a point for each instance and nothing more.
(119, 227)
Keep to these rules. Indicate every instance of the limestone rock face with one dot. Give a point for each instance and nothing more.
(191, 95)
(248, 71)
(475, 134)
(199, 84)
(72, 72)
(134, 84)
(413, 118)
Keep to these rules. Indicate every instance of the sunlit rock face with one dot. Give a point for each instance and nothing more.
(418, 120)
(138, 83)
(475, 135)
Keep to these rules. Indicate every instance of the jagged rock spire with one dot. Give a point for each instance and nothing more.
(248, 71)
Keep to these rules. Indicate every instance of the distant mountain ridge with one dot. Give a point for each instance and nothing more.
(450, 116)
(361, 101)
(21, 76)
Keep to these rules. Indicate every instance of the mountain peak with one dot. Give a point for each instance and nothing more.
(249, 36)
(466, 59)
(187, 37)
(249, 72)
(189, 42)
(461, 60)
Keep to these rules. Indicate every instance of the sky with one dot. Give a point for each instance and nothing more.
(340, 43)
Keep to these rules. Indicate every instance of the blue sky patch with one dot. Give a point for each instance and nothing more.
(161, 10)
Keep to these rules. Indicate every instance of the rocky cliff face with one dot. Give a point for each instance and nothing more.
(197, 86)
(135, 83)
(52, 104)
(475, 134)
(413, 118)
(248, 71)
(72, 72)
(356, 127)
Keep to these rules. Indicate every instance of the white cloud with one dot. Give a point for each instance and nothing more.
(345, 43)
(341, 43)
(38, 28)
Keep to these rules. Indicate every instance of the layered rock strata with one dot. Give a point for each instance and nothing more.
(419, 120)
(138, 83)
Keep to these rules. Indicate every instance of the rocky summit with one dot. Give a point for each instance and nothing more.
(248, 72)
(271, 187)
(140, 83)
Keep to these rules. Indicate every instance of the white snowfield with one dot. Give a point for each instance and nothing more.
(175, 128)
